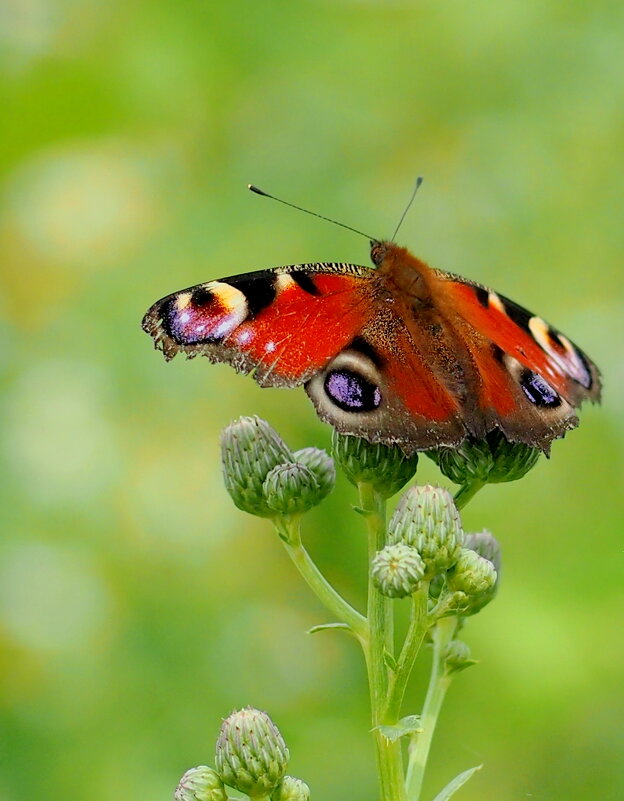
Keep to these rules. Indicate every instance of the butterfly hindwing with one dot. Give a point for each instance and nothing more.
(381, 388)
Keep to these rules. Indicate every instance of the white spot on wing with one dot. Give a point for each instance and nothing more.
(494, 302)
(183, 300)
(245, 336)
(569, 362)
(283, 282)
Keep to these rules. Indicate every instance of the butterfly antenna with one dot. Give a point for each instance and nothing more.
(419, 181)
(313, 213)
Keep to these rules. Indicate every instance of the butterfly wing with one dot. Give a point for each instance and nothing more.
(332, 327)
(530, 378)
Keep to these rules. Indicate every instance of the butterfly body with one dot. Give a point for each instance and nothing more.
(400, 353)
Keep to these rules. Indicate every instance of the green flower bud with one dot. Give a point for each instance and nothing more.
(490, 460)
(457, 656)
(200, 784)
(487, 546)
(397, 570)
(291, 789)
(472, 574)
(251, 754)
(291, 489)
(386, 467)
(322, 466)
(426, 518)
(250, 448)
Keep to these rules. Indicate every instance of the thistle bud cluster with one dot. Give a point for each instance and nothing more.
(264, 478)
(251, 756)
(426, 542)
(426, 518)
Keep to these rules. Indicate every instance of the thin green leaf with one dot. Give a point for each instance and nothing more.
(457, 782)
(363, 512)
(390, 661)
(450, 669)
(331, 627)
(408, 725)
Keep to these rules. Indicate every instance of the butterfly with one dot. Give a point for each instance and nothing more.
(400, 353)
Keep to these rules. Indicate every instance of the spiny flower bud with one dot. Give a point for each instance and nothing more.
(457, 656)
(251, 753)
(291, 789)
(426, 518)
(487, 546)
(386, 467)
(291, 489)
(472, 574)
(397, 570)
(490, 460)
(200, 784)
(322, 466)
(250, 448)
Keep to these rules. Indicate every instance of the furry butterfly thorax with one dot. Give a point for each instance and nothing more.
(400, 353)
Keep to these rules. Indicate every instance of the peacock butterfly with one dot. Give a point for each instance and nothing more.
(400, 353)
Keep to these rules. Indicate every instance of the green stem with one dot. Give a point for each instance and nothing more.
(439, 681)
(466, 492)
(317, 581)
(418, 627)
(381, 623)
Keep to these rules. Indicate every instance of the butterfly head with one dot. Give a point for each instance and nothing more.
(379, 251)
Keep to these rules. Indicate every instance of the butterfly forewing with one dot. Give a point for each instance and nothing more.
(531, 377)
(283, 324)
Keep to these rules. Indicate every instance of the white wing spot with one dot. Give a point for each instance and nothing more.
(495, 302)
(270, 346)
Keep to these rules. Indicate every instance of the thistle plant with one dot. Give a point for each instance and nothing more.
(421, 557)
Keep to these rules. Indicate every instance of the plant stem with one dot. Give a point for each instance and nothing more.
(439, 681)
(466, 492)
(418, 626)
(381, 623)
(319, 584)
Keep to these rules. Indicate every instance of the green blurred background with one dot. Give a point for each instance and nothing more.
(137, 606)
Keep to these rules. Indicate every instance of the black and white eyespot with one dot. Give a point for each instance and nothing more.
(349, 386)
(565, 355)
(204, 314)
(351, 392)
(536, 389)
